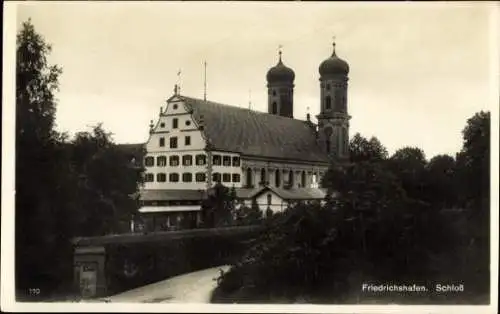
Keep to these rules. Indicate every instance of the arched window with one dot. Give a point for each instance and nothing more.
(161, 161)
(149, 177)
(262, 176)
(187, 177)
(303, 179)
(173, 177)
(275, 108)
(161, 177)
(249, 179)
(174, 161)
(277, 178)
(328, 102)
(290, 178)
(216, 177)
(149, 161)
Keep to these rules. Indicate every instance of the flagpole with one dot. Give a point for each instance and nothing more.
(205, 81)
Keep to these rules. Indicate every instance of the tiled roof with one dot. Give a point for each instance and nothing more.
(229, 128)
(299, 193)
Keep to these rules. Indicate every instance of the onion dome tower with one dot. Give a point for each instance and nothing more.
(280, 86)
(333, 120)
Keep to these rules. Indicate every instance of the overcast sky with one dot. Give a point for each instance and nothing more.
(418, 70)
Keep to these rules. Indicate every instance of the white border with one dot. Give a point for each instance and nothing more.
(7, 258)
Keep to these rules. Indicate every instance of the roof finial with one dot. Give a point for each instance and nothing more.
(280, 47)
(178, 85)
(333, 54)
(176, 89)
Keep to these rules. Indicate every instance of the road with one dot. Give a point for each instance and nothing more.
(193, 287)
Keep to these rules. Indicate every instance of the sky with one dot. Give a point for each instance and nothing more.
(418, 70)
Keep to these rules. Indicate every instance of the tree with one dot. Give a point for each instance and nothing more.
(218, 209)
(362, 149)
(106, 182)
(41, 167)
(440, 181)
(408, 163)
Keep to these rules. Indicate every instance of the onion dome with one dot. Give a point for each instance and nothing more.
(333, 65)
(280, 73)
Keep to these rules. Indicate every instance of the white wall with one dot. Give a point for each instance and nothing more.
(277, 204)
(163, 128)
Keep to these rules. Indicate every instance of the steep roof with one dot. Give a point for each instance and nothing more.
(252, 133)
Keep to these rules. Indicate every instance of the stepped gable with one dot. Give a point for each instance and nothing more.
(251, 133)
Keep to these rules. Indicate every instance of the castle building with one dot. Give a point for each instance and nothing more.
(270, 157)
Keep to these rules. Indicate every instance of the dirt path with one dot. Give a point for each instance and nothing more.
(193, 287)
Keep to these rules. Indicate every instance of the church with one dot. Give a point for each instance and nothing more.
(271, 157)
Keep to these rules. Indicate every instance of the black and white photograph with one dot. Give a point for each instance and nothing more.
(306, 157)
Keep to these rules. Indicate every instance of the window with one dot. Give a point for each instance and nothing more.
(226, 160)
(269, 199)
(161, 161)
(290, 178)
(201, 160)
(173, 177)
(328, 102)
(175, 123)
(226, 177)
(216, 160)
(328, 146)
(187, 177)
(236, 177)
(162, 141)
(274, 108)
(173, 142)
(187, 160)
(175, 106)
(327, 86)
(187, 140)
(149, 177)
(277, 178)
(249, 179)
(174, 161)
(236, 161)
(303, 179)
(162, 125)
(274, 93)
(161, 177)
(262, 175)
(201, 177)
(149, 161)
(188, 123)
(216, 177)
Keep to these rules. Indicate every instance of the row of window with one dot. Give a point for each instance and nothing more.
(188, 177)
(187, 160)
(174, 143)
(175, 123)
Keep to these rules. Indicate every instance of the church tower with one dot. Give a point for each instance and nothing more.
(333, 120)
(280, 90)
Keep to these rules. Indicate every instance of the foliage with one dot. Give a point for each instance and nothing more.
(362, 149)
(387, 222)
(219, 207)
(245, 215)
(63, 188)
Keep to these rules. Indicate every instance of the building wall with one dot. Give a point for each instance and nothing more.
(159, 145)
(277, 204)
(311, 171)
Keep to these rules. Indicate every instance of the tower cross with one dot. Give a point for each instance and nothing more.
(280, 47)
(333, 41)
